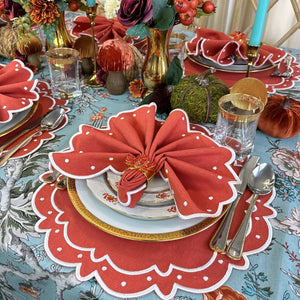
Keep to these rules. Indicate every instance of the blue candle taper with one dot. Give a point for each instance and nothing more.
(90, 2)
(259, 23)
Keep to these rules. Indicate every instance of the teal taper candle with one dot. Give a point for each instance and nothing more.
(259, 23)
(90, 2)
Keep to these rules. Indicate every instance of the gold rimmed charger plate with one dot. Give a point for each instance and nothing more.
(203, 62)
(158, 237)
(23, 121)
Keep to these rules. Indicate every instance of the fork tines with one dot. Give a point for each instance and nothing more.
(97, 122)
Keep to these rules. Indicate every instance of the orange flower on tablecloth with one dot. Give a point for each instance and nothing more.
(224, 292)
(136, 88)
(43, 12)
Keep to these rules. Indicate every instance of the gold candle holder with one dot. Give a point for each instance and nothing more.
(91, 12)
(252, 53)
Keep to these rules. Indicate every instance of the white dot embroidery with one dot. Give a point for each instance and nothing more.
(215, 168)
(209, 210)
(16, 69)
(179, 277)
(111, 158)
(67, 160)
(23, 102)
(185, 203)
(148, 111)
(220, 261)
(25, 150)
(256, 218)
(59, 249)
(167, 171)
(80, 151)
(104, 268)
(79, 255)
(183, 118)
(42, 199)
(205, 278)
(193, 127)
(4, 106)
(123, 283)
(220, 177)
(197, 137)
(57, 231)
(210, 198)
(149, 278)
(35, 140)
(134, 115)
(258, 200)
(257, 236)
(110, 133)
(183, 135)
(87, 133)
(50, 212)
(25, 88)
(93, 167)
(122, 118)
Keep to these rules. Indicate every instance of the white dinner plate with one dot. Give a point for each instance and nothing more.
(123, 226)
(240, 66)
(18, 119)
(103, 192)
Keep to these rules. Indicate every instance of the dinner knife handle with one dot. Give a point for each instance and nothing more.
(13, 150)
(236, 246)
(9, 142)
(219, 240)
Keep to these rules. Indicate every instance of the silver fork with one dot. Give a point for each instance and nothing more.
(62, 183)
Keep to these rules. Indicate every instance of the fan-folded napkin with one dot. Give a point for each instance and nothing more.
(138, 146)
(223, 50)
(17, 89)
(104, 29)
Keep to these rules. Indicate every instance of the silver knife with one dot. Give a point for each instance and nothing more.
(219, 240)
(31, 126)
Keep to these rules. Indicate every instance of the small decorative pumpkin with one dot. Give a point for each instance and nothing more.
(280, 117)
(198, 96)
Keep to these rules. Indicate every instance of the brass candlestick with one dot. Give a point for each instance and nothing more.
(91, 13)
(252, 53)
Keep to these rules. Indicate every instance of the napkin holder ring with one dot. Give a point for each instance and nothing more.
(252, 53)
(142, 164)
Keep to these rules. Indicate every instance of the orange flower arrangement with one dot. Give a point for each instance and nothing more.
(43, 12)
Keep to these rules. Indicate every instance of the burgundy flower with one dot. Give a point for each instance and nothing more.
(134, 12)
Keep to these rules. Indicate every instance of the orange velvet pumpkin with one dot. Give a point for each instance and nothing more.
(280, 117)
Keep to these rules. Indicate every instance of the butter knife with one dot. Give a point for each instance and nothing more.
(219, 240)
(31, 126)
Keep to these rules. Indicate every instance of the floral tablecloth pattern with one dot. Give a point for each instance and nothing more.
(28, 272)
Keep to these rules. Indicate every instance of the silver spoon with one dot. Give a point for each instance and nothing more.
(260, 182)
(51, 121)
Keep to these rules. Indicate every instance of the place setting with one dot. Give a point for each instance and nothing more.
(26, 103)
(228, 54)
(121, 196)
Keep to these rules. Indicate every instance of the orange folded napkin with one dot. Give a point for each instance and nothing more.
(223, 50)
(17, 89)
(104, 29)
(138, 146)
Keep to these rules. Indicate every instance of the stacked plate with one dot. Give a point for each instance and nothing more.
(154, 218)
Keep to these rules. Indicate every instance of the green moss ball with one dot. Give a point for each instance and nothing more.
(192, 97)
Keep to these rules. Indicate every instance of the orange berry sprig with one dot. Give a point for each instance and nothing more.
(189, 9)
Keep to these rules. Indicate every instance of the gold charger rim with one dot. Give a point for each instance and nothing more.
(202, 64)
(31, 112)
(155, 237)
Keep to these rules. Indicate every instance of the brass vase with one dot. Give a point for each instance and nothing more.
(62, 37)
(156, 62)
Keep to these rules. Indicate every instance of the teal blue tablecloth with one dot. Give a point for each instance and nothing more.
(26, 272)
